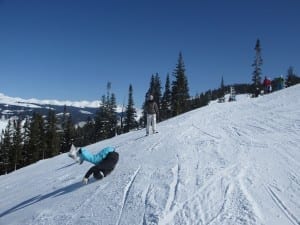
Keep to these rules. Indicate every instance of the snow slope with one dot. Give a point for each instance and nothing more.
(230, 163)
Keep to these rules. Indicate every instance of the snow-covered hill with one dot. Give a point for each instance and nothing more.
(231, 163)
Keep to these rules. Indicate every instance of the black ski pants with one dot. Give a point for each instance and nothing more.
(105, 166)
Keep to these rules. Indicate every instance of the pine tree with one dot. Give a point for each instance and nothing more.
(221, 91)
(52, 138)
(180, 90)
(84, 135)
(143, 119)
(106, 116)
(101, 121)
(166, 101)
(36, 144)
(25, 151)
(130, 122)
(68, 131)
(113, 115)
(17, 145)
(6, 148)
(257, 73)
(157, 90)
(89, 132)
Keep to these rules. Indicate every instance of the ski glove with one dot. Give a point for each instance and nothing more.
(85, 180)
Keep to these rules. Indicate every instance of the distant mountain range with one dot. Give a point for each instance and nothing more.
(80, 110)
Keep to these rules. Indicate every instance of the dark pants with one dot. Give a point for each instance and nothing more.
(105, 166)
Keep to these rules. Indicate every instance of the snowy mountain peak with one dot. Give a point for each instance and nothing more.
(230, 163)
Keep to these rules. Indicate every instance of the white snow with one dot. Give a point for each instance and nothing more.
(230, 163)
(3, 124)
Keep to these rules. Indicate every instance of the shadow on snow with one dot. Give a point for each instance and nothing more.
(38, 198)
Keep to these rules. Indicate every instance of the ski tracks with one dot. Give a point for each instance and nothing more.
(222, 199)
(281, 205)
(83, 206)
(169, 211)
(126, 193)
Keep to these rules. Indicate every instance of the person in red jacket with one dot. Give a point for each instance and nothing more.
(267, 85)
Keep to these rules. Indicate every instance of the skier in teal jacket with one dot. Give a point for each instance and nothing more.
(104, 161)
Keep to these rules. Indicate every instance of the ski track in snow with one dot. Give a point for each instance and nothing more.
(282, 206)
(126, 192)
(85, 204)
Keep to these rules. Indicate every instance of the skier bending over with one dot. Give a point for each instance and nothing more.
(104, 161)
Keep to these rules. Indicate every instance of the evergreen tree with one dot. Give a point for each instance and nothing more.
(36, 144)
(157, 90)
(122, 117)
(68, 131)
(257, 73)
(113, 115)
(17, 145)
(6, 148)
(166, 101)
(52, 138)
(88, 131)
(106, 116)
(102, 120)
(200, 100)
(180, 90)
(143, 120)
(291, 78)
(221, 91)
(25, 152)
(130, 122)
(64, 118)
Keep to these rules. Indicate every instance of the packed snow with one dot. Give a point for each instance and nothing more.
(227, 163)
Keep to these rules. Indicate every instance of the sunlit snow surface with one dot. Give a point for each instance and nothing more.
(227, 163)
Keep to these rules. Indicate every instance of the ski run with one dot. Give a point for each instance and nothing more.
(227, 163)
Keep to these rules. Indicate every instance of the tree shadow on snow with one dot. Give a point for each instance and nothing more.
(38, 198)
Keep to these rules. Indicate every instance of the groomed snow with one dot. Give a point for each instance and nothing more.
(228, 163)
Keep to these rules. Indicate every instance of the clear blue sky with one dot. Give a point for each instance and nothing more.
(70, 49)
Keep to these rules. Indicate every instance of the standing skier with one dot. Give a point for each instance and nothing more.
(152, 114)
(104, 161)
(267, 85)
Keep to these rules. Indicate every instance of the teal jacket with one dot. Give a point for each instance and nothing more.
(97, 158)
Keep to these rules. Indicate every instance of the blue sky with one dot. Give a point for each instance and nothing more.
(70, 49)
